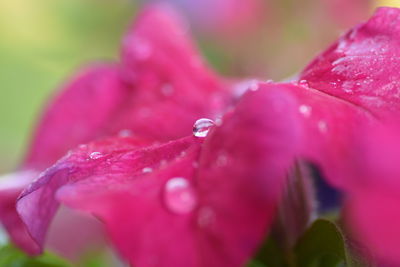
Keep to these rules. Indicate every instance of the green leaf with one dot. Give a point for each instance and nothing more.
(13, 257)
(323, 245)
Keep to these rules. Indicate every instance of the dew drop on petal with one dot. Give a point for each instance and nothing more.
(179, 195)
(125, 133)
(322, 126)
(147, 170)
(303, 83)
(95, 155)
(202, 126)
(167, 89)
(205, 217)
(305, 110)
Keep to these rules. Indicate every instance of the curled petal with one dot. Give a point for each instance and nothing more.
(11, 186)
(363, 66)
(37, 204)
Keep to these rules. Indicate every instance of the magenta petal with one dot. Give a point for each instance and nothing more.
(363, 67)
(176, 215)
(149, 225)
(373, 195)
(10, 187)
(242, 172)
(77, 115)
(374, 220)
(171, 85)
(37, 204)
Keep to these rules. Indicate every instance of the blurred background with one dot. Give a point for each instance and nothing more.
(42, 42)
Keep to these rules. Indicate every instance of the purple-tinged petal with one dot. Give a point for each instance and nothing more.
(11, 186)
(77, 115)
(37, 204)
(363, 66)
(149, 200)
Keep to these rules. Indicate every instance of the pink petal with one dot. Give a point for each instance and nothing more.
(373, 197)
(199, 224)
(242, 172)
(374, 220)
(10, 187)
(363, 66)
(78, 114)
(37, 204)
(172, 87)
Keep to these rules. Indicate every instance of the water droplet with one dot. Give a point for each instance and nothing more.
(147, 170)
(163, 163)
(206, 216)
(95, 155)
(218, 121)
(222, 159)
(303, 83)
(195, 164)
(125, 133)
(305, 110)
(202, 126)
(179, 195)
(82, 146)
(141, 48)
(322, 126)
(167, 89)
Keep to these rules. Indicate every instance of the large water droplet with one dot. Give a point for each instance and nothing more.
(202, 126)
(179, 195)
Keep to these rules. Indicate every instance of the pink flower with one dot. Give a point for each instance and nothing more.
(209, 199)
(160, 87)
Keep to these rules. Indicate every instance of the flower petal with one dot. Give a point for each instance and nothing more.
(363, 66)
(172, 87)
(242, 171)
(77, 115)
(11, 186)
(37, 204)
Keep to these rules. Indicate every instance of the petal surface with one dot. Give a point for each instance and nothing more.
(172, 87)
(78, 114)
(363, 66)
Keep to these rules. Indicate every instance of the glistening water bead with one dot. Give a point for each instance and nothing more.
(202, 126)
(179, 195)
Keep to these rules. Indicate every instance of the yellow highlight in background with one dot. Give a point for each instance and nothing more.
(392, 3)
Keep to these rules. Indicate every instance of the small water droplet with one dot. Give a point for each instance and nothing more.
(218, 121)
(195, 164)
(222, 160)
(163, 163)
(95, 155)
(125, 133)
(82, 146)
(206, 216)
(303, 82)
(322, 126)
(179, 195)
(202, 126)
(147, 170)
(305, 110)
(167, 89)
